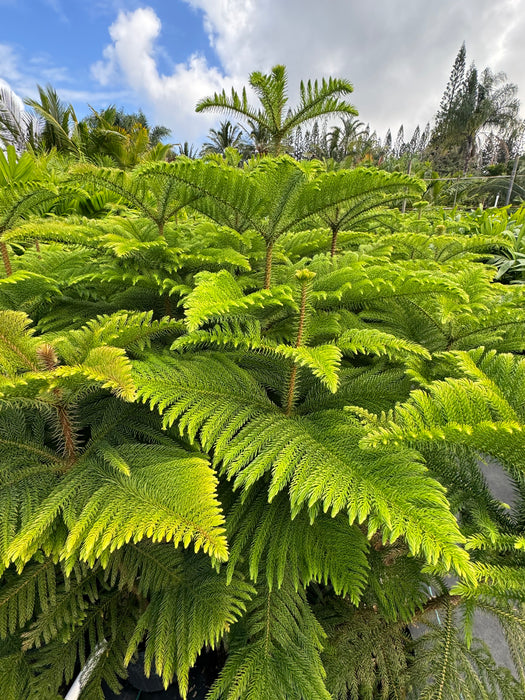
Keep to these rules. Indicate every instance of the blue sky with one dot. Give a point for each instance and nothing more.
(163, 55)
(58, 41)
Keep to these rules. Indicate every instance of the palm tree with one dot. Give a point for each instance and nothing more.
(18, 127)
(340, 142)
(58, 119)
(316, 100)
(226, 136)
(345, 140)
(111, 135)
(187, 149)
(125, 123)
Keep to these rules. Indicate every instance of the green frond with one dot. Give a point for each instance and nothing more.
(28, 291)
(325, 550)
(132, 331)
(17, 343)
(364, 656)
(398, 585)
(14, 167)
(20, 201)
(105, 365)
(104, 508)
(446, 667)
(316, 457)
(323, 361)
(370, 341)
(317, 99)
(501, 581)
(124, 330)
(82, 618)
(108, 663)
(362, 285)
(234, 105)
(55, 230)
(62, 611)
(354, 196)
(21, 596)
(236, 332)
(477, 411)
(15, 675)
(373, 388)
(95, 629)
(511, 616)
(216, 258)
(275, 654)
(144, 189)
(163, 480)
(206, 606)
(442, 248)
(316, 241)
(219, 294)
(28, 473)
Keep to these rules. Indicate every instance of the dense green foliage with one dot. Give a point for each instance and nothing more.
(470, 153)
(245, 406)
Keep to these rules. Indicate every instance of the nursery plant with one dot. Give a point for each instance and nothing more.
(276, 455)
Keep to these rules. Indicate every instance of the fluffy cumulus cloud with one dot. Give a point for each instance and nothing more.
(398, 53)
(131, 57)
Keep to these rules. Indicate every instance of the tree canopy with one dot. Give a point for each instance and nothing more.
(273, 116)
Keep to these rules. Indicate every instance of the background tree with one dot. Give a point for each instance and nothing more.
(111, 136)
(316, 99)
(58, 121)
(18, 127)
(471, 103)
(117, 126)
(226, 136)
(342, 142)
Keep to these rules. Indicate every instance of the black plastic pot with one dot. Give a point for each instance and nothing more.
(138, 679)
(125, 694)
(201, 679)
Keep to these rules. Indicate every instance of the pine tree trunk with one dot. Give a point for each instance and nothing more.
(68, 432)
(468, 155)
(268, 265)
(334, 243)
(293, 374)
(5, 258)
(167, 306)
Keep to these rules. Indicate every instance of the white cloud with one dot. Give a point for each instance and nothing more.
(8, 63)
(398, 53)
(19, 80)
(132, 57)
